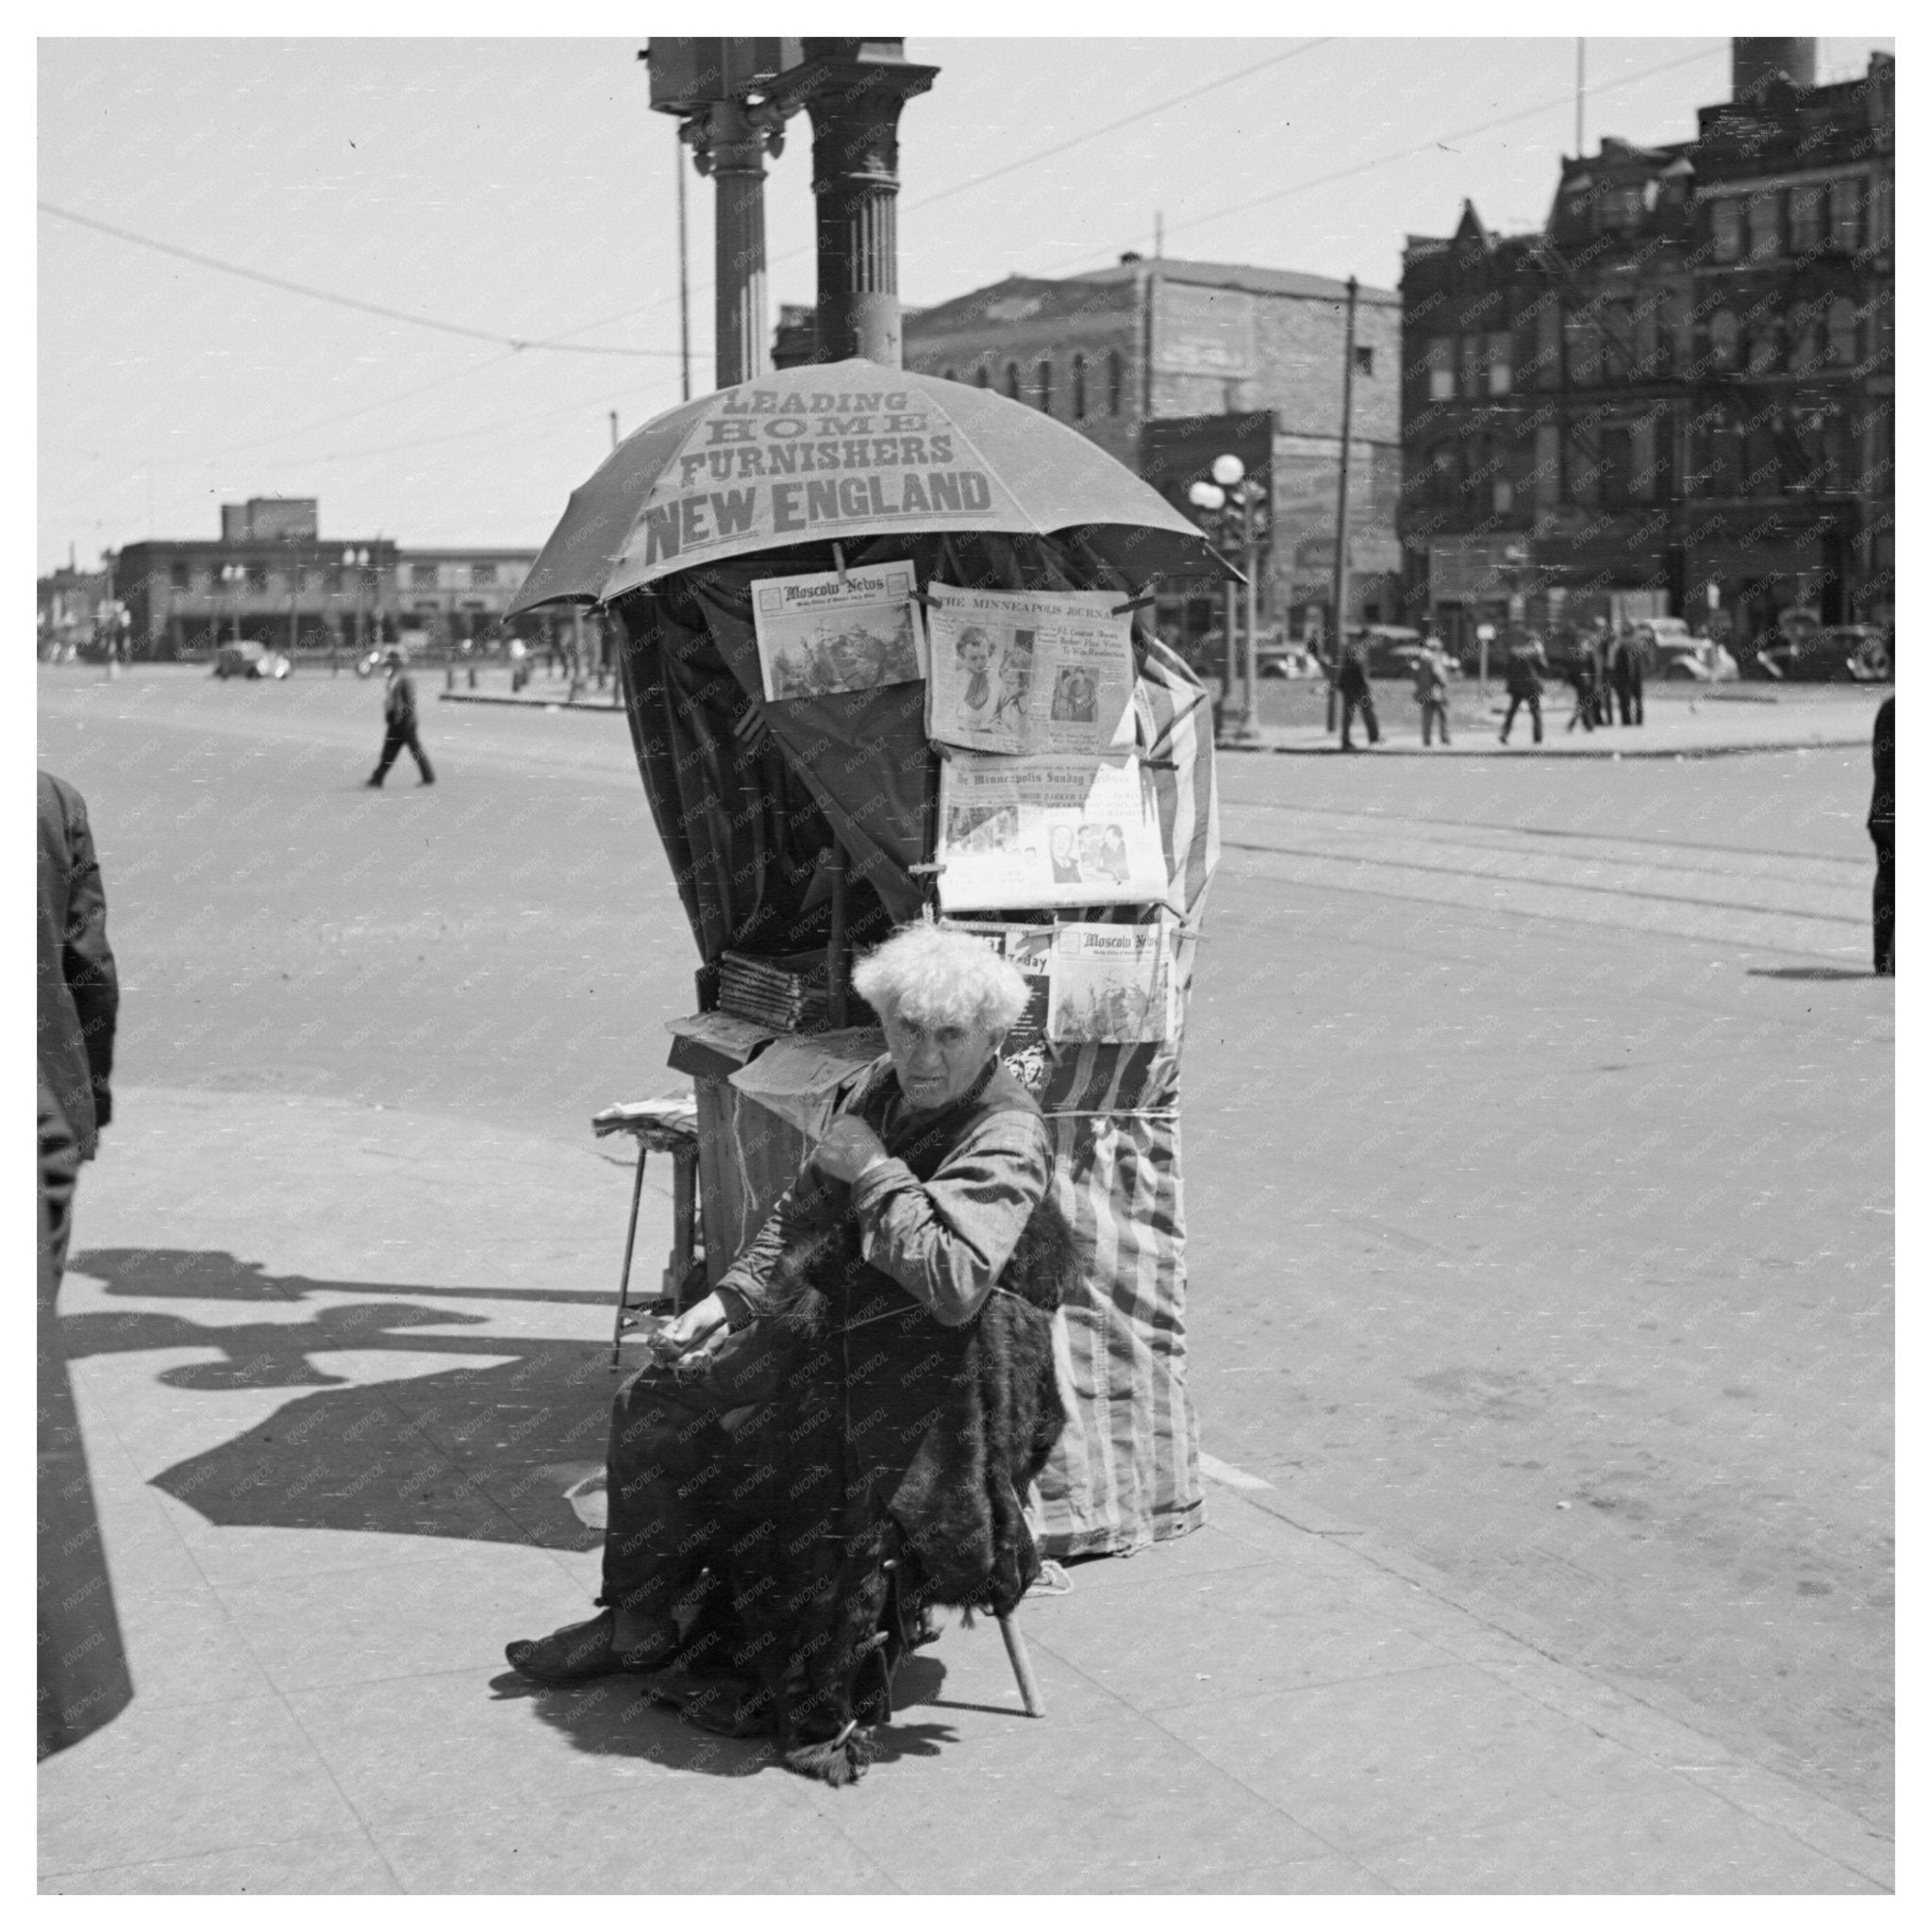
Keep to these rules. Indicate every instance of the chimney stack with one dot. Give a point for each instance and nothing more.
(1757, 65)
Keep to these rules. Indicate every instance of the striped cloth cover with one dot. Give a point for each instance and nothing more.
(1126, 1471)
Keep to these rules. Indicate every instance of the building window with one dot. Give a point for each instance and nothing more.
(1116, 382)
(1013, 380)
(1804, 210)
(1763, 212)
(482, 577)
(1803, 332)
(951, 375)
(1501, 496)
(1042, 383)
(1470, 357)
(1502, 374)
(1846, 209)
(1549, 466)
(1079, 389)
(177, 576)
(1727, 231)
(1441, 364)
(1841, 334)
(1623, 206)
(1364, 359)
(423, 576)
(982, 376)
(1762, 356)
(258, 576)
(1723, 328)
(1583, 348)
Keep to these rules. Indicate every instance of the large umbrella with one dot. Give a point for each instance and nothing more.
(848, 449)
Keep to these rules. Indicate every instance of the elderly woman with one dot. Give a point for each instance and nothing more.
(879, 1352)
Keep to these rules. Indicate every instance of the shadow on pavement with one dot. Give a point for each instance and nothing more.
(481, 1452)
(616, 1716)
(1808, 973)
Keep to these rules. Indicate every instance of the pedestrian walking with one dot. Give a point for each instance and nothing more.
(399, 724)
(1880, 823)
(1432, 689)
(1600, 649)
(1583, 682)
(519, 664)
(1626, 677)
(1525, 686)
(1352, 681)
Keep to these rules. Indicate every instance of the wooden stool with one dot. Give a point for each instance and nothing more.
(666, 1126)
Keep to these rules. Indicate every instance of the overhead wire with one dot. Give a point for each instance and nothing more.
(516, 343)
(1423, 146)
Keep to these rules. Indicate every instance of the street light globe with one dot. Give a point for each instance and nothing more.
(1228, 471)
(1206, 495)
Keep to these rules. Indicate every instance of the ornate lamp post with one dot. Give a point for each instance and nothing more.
(854, 92)
(1230, 496)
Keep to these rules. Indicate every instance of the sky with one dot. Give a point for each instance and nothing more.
(490, 193)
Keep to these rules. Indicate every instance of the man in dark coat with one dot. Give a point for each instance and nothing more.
(82, 1667)
(79, 997)
(1879, 822)
(399, 724)
(1352, 681)
(1524, 687)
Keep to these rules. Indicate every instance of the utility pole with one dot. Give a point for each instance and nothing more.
(614, 429)
(683, 278)
(1338, 588)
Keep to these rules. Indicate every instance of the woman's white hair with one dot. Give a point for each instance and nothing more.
(941, 978)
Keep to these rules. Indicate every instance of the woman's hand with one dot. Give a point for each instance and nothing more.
(848, 1149)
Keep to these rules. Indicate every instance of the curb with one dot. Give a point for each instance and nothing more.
(1536, 751)
(481, 697)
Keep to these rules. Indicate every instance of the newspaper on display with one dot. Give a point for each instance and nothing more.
(826, 633)
(1046, 831)
(1028, 674)
(1110, 984)
(1026, 1053)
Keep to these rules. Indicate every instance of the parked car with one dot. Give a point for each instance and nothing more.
(1661, 639)
(1392, 648)
(1833, 653)
(250, 659)
(1703, 661)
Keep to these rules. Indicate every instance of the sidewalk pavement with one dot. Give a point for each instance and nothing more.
(339, 1368)
(1704, 723)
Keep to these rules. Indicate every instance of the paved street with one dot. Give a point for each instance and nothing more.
(1538, 1162)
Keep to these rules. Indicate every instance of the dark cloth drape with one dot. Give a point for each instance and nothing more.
(748, 828)
(78, 993)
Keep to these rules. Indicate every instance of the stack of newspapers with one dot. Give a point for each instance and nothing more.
(788, 992)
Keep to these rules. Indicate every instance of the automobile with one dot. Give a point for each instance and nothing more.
(1287, 660)
(1829, 654)
(1661, 639)
(250, 659)
(1703, 661)
(1392, 648)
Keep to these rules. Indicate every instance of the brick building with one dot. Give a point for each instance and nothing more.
(271, 576)
(1160, 345)
(1676, 397)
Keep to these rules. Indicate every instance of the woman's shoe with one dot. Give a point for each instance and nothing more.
(581, 1650)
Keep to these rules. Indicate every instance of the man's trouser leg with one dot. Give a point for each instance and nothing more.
(1509, 717)
(392, 742)
(417, 751)
(1883, 902)
(678, 1451)
(1536, 718)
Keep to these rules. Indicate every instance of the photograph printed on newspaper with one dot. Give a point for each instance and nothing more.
(1047, 832)
(826, 633)
(1025, 1052)
(1029, 672)
(1112, 985)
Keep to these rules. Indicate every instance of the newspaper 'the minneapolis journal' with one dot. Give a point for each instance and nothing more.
(1047, 832)
(1029, 672)
(825, 633)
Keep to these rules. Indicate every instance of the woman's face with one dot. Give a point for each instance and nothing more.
(938, 1060)
(974, 651)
